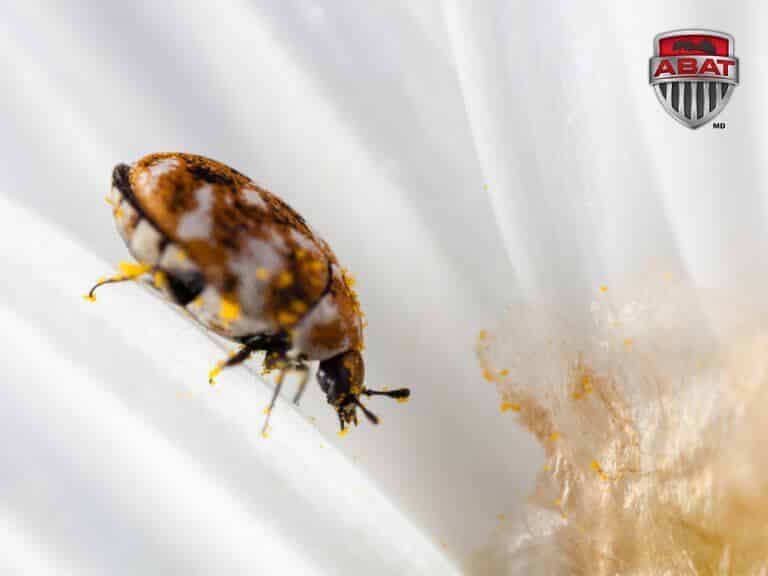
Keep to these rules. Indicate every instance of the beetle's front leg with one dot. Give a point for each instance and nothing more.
(238, 357)
(303, 371)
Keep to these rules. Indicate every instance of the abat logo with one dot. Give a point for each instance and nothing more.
(694, 73)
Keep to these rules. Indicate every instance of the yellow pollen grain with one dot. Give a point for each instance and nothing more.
(586, 387)
(284, 317)
(343, 433)
(89, 297)
(130, 270)
(265, 433)
(160, 279)
(487, 375)
(229, 310)
(558, 502)
(500, 517)
(595, 465)
(547, 468)
(506, 406)
(267, 410)
(627, 341)
(215, 371)
(284, 279)
(181, 256)
(349, 280)
(504, 372)
(109, 201)
(603, 288)
(554, 436)
(483, 335)
(118, 212)
(262, 274)
(403, 400)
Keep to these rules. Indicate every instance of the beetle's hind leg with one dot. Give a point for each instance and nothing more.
(128, 271)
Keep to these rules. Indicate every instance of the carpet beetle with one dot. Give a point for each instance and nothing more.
(247, 267)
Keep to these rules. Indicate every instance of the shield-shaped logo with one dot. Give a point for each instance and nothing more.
(694, 73)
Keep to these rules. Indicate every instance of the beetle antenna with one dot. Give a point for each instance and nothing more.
(368, 414)
(399, 394)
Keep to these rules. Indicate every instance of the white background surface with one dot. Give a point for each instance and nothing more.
(381, 122)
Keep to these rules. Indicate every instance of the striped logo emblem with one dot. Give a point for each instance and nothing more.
(693, 73)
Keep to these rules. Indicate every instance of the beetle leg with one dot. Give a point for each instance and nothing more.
(91, 296)
(272, 402)
(270, 343)
(274, 360)
(238, 357)
(303, 371)
(128, 271)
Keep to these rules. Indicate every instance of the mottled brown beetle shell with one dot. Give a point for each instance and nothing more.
(256, 254)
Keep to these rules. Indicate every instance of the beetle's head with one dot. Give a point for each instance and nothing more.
(341, 378)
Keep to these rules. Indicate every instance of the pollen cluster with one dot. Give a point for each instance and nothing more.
(655, 458)
(349, 283)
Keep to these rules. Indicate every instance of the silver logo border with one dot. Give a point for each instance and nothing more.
(666, 102)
